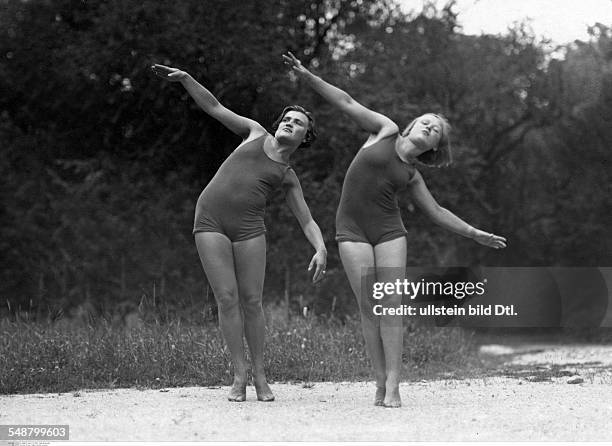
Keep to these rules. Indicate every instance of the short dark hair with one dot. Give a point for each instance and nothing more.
(311, 133)
(442, 156)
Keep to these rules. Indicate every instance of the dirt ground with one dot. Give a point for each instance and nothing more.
(540, 393)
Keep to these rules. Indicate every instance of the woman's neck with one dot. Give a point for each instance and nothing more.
(406, 149)
(280, 150)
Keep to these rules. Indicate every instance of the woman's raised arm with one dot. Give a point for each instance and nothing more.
(369, 120)
(240, 125)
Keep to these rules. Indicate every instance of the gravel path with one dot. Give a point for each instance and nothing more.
(524, 407)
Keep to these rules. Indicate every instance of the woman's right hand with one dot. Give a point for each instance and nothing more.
(490, 240)
(295, 64)
(168, 73)
(318, 262)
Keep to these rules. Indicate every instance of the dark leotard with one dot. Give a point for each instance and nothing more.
(368, 210)
(233, 203)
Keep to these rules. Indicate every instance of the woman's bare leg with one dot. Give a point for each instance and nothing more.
(358, 261)
(250, 259)
(390, 266)
(216, 254)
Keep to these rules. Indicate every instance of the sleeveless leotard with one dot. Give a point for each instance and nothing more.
(368, 210)
(233, 203)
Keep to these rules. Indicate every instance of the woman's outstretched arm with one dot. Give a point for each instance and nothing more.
(295, 200)
(445, 218)
(369, 120)
(240, 125)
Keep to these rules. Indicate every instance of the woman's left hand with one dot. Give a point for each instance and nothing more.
(319, 262)
(489, 239)
(294, 63)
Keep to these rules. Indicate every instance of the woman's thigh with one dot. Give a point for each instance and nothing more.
(358, 262)
(216, 254)
(250, 261)
(390, 258)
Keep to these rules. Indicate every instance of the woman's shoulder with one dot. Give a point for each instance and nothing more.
(391, 128)
(386, 135)
(416, 175)
(259, 136)
(290, 178)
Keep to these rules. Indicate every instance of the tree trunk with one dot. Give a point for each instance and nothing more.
(162, 285)
(41, 282)
(287, 293)
(122, 278)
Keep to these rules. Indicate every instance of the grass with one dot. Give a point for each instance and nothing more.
(67, 356)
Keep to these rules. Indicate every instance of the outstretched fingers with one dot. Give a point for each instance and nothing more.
(496, 241)
(491, 240)
(292, 61)
(167, 73)
(161, 70)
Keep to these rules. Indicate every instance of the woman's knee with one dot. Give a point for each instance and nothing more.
(227, 300)
(251, 303)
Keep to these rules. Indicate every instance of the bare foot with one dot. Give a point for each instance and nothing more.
(238, 391)
(264, 393)
(392, 395)
(379, 397)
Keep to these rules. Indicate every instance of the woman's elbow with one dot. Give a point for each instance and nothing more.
(309, 224)
(346, 102)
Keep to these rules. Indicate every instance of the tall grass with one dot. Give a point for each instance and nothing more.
(66, 356)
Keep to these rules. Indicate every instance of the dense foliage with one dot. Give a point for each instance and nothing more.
(101, 163)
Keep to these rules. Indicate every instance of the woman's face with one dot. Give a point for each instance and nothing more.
(426, 132)
(292, 128)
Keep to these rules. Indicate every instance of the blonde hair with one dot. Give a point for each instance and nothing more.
(443, 155)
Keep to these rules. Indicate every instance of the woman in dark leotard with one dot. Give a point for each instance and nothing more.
(369, 229)
(229, 226)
